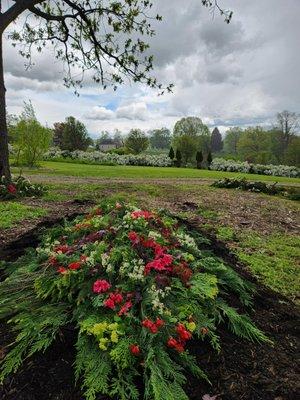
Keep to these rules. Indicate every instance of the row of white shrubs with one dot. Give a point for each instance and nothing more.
(220, 164)
(98, 157)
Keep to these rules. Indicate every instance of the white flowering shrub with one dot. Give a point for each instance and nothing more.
(220, 164)
(98, 157)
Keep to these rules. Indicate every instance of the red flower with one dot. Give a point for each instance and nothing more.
(83, 258)
(116, 297)
(160, 264)
(141, 214)
(75, 265)
(134, 237)
(101, 286)
(125, 308)
(62, 270)
(153, 326)
(109, 303)
(135, 349)
(159, 322)
(175, 344)
(53, 261)
(11, 188)
(183, 333)
(63, 248)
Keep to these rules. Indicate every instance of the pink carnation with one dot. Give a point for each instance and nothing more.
(101, 286)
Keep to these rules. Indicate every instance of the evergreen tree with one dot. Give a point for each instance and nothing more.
(171, 153)
(199, 159)
(209, 159)
(178, 158)
(216, 142)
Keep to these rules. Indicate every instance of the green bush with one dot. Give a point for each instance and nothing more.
(136, 288)
(20, 187)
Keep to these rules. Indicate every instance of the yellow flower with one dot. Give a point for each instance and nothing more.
(99, 329)
(191, 326)
(113, 327)
(114, 337)
(103, 343)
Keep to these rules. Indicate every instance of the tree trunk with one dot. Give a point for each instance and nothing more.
(4, 154)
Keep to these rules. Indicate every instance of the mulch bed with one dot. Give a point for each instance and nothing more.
(242, 371)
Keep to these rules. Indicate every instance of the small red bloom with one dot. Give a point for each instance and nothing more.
(141, 214)
(109, 303)
(75, 265)
(159, 322)
(183, 333)
(83, 258)
(175, 344)
(62, 248)
(116, 297)
(133, 237)
(125, 308)
(101, 286)
(53, 261)
(135, 349)
(11, 188)
(62, 270)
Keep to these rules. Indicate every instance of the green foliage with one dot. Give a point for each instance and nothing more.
(160, 138)
(132, 296)
(74, 135)
(136, 141)
(189, 135)
(30, 139)
(171, 153)
(20, 187)
(259, 187)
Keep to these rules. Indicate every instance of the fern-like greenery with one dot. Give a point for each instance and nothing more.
(136, 288)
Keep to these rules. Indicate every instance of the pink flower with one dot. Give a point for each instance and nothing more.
(101, 286)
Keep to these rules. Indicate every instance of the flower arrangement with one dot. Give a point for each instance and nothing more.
(220, 164)
(137, 288)
(20, 187)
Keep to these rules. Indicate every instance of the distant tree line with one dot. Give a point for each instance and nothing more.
(191, 142)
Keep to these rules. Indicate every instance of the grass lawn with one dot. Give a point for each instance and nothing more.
(135, 172)
(13, 212)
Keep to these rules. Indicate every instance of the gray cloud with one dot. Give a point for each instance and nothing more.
(241, 73)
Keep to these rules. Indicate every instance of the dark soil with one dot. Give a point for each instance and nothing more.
(242, 371)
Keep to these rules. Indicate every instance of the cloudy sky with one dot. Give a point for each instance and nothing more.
(236, 74)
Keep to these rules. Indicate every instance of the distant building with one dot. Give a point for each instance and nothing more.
(108, 144)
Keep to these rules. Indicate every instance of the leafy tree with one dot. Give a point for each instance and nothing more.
(216, 143)
(103, 38)
(186, 144)
(58, 133)
(171, 153)
(209, 159)
(292, 154)
(199, 159)
(232, 137)
(288, 124)
(189, 134)
(30, 138)
(178, 158)
(74, 135)
(136, 141)
(160, 138)
(253, 145)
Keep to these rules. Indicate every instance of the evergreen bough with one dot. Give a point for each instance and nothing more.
(136, 287)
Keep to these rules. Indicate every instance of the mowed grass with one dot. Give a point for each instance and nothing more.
(12, 212)
(135, 172)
